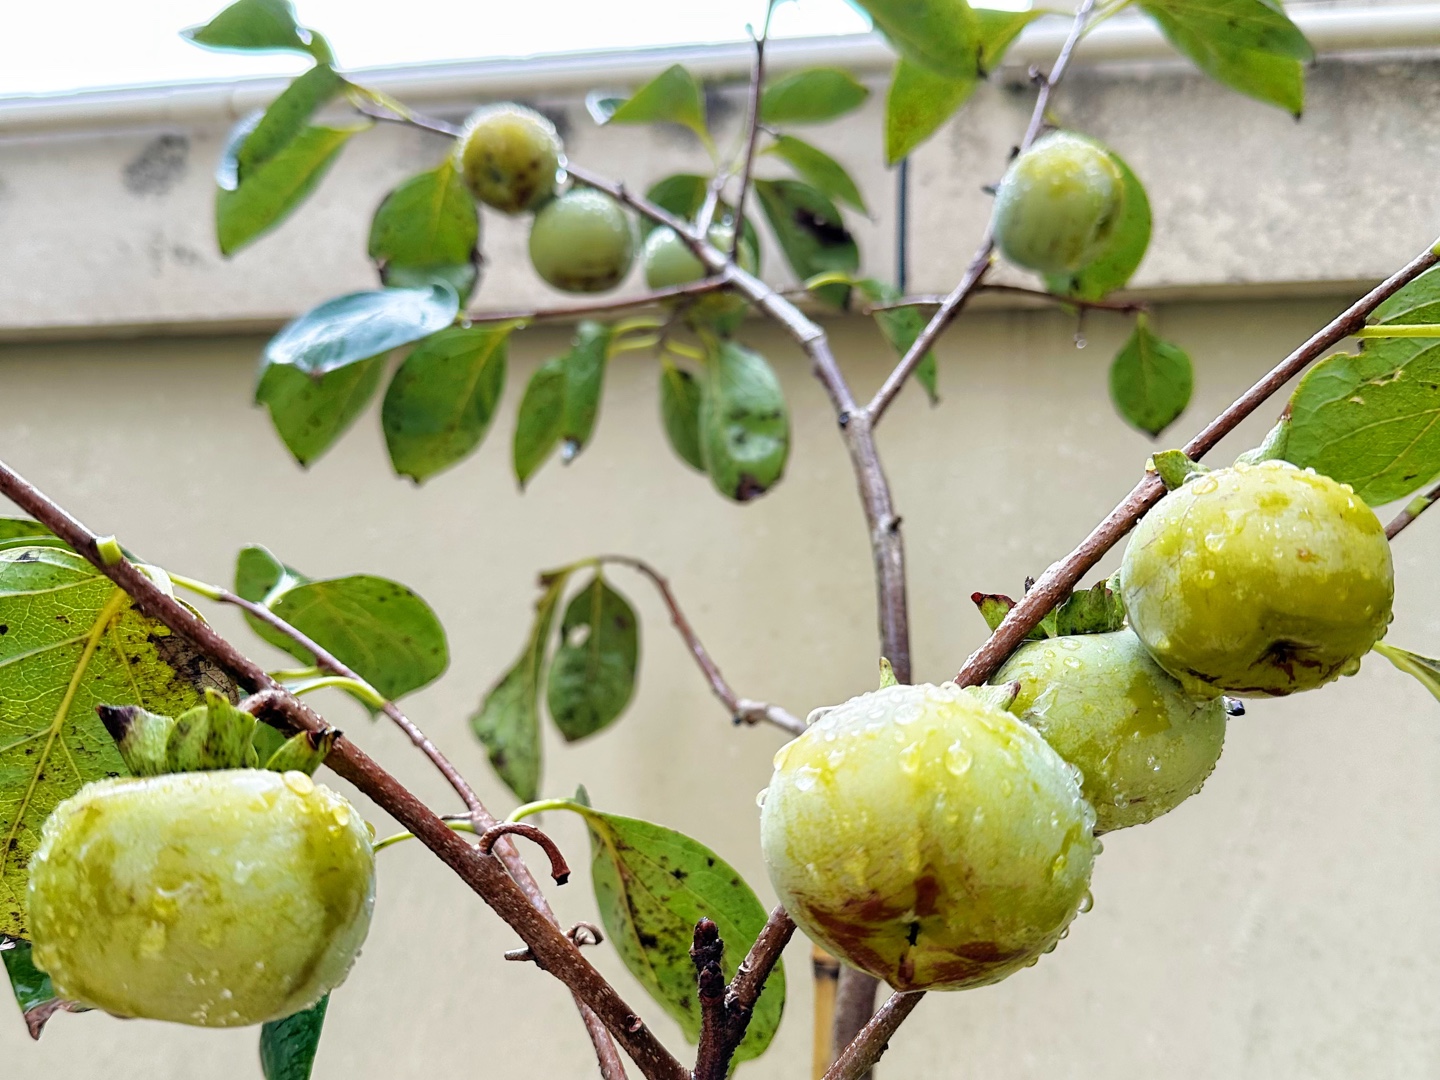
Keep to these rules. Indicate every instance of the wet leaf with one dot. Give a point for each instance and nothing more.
(812, 96)
(652, 885)
(1249, 45)
(441, 402)
(1116, 264)
(562, 401)
(819, 170)
(1150, 380)
(508, 720)
(744, 424)
(810, 232)
(592, 674)
(259, 26)
(357, 326)
(1096, 610)
(288, 1047)
(70, 641)
(32, 988)
(310, 414)
(680, 394)
(901, 326)
(428, 230)
(941, 34)
(673, 96)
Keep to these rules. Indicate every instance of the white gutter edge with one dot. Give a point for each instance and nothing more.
(1127, 38)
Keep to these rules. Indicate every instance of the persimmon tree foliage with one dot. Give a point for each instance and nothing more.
(156, 796)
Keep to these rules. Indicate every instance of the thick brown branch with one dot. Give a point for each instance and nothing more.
(486, 877)
(860, 1056)
(1413, 509)
(742, 710)
(1057, 582)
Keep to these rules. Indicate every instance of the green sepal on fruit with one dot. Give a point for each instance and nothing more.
(927, 837)
(1141, 743)
(1258, 580)
(216, 899)
(582, 242)
(510, 156)
(1058, 204)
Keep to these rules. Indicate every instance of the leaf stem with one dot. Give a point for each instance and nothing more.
(456, 825)
(1398, 330)
(1413, 509)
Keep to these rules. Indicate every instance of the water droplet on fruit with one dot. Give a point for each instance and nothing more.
(1205, 485)
(1087, 902)
(805, 777)
(341, 814)
(1214, 541)
(760, 796)
(780, 755)
(299, 783)
(958, 759)
(910, 758)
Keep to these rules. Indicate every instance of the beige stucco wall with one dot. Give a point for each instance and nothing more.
(1277, 926)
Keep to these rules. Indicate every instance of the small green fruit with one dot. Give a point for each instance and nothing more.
(1258, 580)
(927, 837)
(509, 156)
(1142, 745)
(218, 899)
(582, 242)
(668, 262)
(1058, 204)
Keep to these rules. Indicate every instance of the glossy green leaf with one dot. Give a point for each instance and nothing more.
(286, 117)
(652, 885)
(32, 988)
(941, 34)
(901, 326)
(744, 424)
(562, 401)
(1369, 420)
(1121, 257)
(1418, 302)
(537, 425)
(443, 398)
(1249, 45)
(310, 414)
(381, 629)
(674, 96)
(1150, 380)
(812, 96)
(680, 394)
(592, 674)
(810, 232)
(70, 641)
(360, 325)
(428, 229)
(288, 1047)
(508, 720)
(259, 26)
(818, 169)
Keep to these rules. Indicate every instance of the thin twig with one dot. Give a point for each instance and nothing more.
(602, 307)
(554, 952)
(742, 710)
(981, 262)
(559, 869)
(752, 126)
(1058, 581)
(1123, 307)
(712, 1056)
(750, 976)
(860, 1056)
(1413, 509)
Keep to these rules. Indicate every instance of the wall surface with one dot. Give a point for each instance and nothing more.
(1276, 927)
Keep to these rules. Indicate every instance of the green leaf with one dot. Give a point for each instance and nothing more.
(428, 229)
(673, 96)
(508, 720)
(357, 326)
(1370, 420)
(69, 642)
(918, 102)
(652, 885)
(562, 401)
(744, 424)
(259, 575)
(682, 195)
(901, 326)
(995, 606)
(1416, 303)
(998, 30)
(32, 988)
(288, 1047)
(21, 528)
(443, 398)
(818, 169)
(1176, 468)
(304, 752)
(810, 232)
(285, 118)
(592, 675)
(941, 34)
(811, 96)
(309, 414)
(1121, 257)
(380, 628)
(1422, 668)
(1096, 610)
(1249, 45)
(1150, 380)
(680, 394)
(259, 26)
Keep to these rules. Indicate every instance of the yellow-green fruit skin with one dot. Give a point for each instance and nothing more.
(1142, 745)
(509, 156)
(217, 899)
(1258, 580)
(582, 242)
(1058, 205)
(927, 837)
(668, 262)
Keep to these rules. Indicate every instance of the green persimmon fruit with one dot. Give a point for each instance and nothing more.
(1142, 745)
(669, 262)
(1058, 204)
(927, 837)
(218, 899)
(582, 242)
(1258, 580)
(509, 156)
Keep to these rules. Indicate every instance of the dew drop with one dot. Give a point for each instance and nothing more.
(910, 758)
(805, 777)
(1086, 902)
(299, 783)
(760, 796)
(958, 759)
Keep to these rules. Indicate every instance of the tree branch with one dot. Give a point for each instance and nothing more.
(1413, 509)
(980, 264)
(860, 1056)
(752, 127)
(486, 877)
(602, 307)
(742, 710)
(712, 1057)
(1123, 307)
